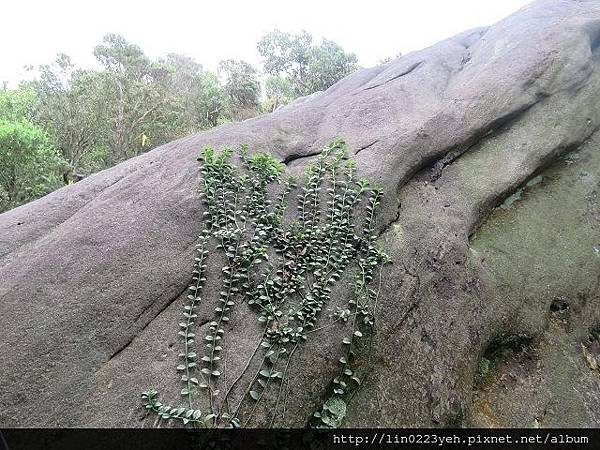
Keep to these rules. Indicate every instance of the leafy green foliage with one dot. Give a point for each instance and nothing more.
(138, 99)
(208, 103)
(132, 103)
(17, 105)
(242, 87)
(284, 263)
(97, 118)
(29, 165)
(186, 415)
(69, 106)
(361, 312)
(308, 67)
(332, 412)
(279, 92)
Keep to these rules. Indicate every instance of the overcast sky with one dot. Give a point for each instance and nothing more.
(33, 32)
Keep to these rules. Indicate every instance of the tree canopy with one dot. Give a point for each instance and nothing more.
(29, 165)
(69, 122)
(308, 67)
(242, 87)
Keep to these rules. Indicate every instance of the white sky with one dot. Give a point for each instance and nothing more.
(33, 32)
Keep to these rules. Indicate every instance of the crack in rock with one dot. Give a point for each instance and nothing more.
(136, 333)
(294, 157)
(366, 147)
(411, 69)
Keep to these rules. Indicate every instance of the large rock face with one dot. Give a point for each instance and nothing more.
(486, 147)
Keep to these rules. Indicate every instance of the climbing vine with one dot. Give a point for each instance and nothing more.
(283, 263)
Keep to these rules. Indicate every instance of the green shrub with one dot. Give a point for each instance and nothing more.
(29, 166)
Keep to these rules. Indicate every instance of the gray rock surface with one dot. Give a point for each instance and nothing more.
(92, 277)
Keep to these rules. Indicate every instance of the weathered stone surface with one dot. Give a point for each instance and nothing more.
(93, 275)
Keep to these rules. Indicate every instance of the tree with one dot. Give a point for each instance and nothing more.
(71, 107)
(328, 64)
(135, 94)
(97, 118)
(196, 98)
(287, 55)
(18, 104)
(241, 86)
(117, 55)
(211, 102)
(279, 91)
(29, 166)
(309, 67)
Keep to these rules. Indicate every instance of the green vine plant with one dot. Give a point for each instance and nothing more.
(283, 262)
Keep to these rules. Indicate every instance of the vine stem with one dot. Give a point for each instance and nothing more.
(214, 340)
(230, 282)
(372, 331)
(225, 401)
(246, 367)
(189, 321)
(324, 326)
(289, 358)
(251, 383)
(263, 390)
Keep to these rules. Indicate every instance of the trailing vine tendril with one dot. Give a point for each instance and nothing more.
(283, 262)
